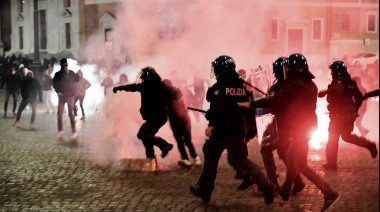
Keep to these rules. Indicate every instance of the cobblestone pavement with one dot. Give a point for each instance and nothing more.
(40, 173)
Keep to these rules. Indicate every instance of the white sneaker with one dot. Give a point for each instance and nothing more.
(198, 161)
(74, 135)
(184, 163)
(32, 127)
(60, 134)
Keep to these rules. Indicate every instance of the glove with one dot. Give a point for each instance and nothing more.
(115, 89)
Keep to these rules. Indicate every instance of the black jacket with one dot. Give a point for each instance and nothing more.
(12, 82)
(65, 83)
(224, 115)
(344, 98)
(153, 97)
(30, 88)
(298, 97)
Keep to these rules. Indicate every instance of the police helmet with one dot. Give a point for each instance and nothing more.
(298, 67)
(278, 67)
(338, 68)
(223, 64)
(148, 73)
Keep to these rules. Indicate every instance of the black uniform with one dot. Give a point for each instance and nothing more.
(153, 110)
(229, 130)
(344, 99)
(300, 98)
(277, 136)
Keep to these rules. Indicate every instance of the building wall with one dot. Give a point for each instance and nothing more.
(56, 17)
(86, 15)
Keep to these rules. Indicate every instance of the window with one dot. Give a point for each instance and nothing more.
(274, 29)
(67, 34)
(21, 37)
(345, 22)
(66, 3)
(371, 22)
(317, 29)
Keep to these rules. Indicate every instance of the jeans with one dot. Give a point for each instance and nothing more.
(23, 104)
(70, 106)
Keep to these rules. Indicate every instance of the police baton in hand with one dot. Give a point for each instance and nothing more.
(196, 109)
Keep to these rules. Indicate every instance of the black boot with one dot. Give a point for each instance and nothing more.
(268, 191)
(330, 198)
(372, 149)
(247, 182)
(284, 191)
(298, 186)
(198, 191)
(166, 150)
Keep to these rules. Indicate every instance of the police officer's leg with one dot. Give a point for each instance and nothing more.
(332, 144)
(144, 134)
(236, 148)
(347, 136)
(300, 152)
(282, 150)
(240, 173)
(161, 143)
(267, 147)
(212, 150)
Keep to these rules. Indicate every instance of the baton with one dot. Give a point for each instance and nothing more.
(196, 109)
(257, 89)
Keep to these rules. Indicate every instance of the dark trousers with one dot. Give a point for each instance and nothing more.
(14, 94)
(234, 164)
(341, 128)
(23, 104)
(297, 162)
(147, 134)
(182, 134)
(282, 145)
(80, 99)
(70, 109)
(235, 145)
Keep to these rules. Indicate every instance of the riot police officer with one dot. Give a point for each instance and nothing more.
(299, 97)
(276, 135)
(153, 110)
(226, 130)
(344, 100)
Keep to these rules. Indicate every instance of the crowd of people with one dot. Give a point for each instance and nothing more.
(233, 101)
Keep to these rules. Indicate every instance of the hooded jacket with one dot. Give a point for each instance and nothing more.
(30, 88)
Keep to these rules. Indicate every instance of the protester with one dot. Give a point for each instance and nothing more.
(30, 88)
(64, 84)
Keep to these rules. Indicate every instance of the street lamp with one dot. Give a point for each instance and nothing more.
(36, 64)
